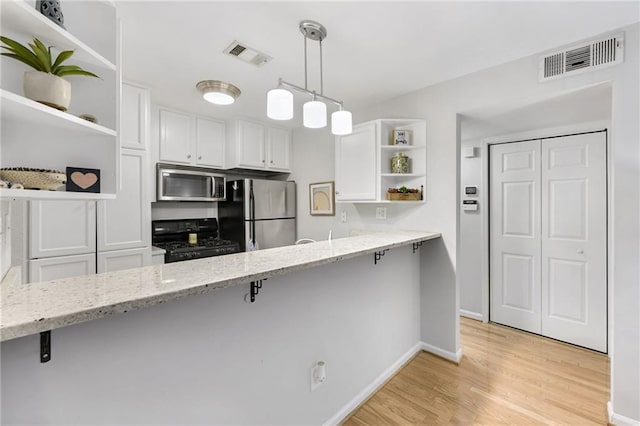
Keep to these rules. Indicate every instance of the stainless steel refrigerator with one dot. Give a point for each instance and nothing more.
(259, 213)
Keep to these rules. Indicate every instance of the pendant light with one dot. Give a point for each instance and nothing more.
(314, 112)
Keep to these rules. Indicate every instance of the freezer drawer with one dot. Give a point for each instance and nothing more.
(272, 233)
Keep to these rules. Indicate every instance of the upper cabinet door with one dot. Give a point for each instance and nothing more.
(279, 149)
(210, 141)
(356, 164)
(250, 144)
(60, 228)
(134, 117)
(175, 137)
(125, 222)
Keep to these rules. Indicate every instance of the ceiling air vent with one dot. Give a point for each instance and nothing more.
(582, 58)
(247, 54)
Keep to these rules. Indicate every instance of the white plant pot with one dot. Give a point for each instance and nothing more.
(47, 89)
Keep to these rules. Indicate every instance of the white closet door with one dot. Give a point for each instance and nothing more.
(574, 240)
(515, 235)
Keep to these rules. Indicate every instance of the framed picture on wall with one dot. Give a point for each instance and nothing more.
(322, 199)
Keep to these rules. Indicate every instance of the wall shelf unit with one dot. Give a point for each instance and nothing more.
(37, 136)
(363, 161)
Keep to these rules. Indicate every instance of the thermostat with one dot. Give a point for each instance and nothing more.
(469, 205)
(471, 190)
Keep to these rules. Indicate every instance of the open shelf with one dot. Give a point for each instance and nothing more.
(18, 16)
(402, 147)
(32, 194)
(20, 109)
(402, 175)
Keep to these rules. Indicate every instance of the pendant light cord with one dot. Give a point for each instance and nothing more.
(305, 63)
(321, 84)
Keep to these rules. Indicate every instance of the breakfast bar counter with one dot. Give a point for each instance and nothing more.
(36, 307)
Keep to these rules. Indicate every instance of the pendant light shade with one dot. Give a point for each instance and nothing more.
(279, 104)
(314, 114)
(341, 123)
(218, 92)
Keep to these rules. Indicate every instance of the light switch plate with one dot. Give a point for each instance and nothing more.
(381, 213)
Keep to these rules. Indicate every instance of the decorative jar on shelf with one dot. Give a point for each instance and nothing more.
(400, 163)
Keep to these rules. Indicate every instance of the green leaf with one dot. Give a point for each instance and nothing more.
(42, 57)
(34, 65)
(73, 70)
(28, 57)
(63, 56)
(44, 49)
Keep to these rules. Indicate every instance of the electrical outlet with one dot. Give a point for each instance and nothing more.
(318, 375)
(343, 217)
(381, 213)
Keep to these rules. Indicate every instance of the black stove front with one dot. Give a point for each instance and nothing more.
(188, 239)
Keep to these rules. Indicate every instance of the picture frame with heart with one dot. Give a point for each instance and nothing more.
(83, 180)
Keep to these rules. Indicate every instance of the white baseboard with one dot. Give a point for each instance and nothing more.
(373, 386)
(451, 356)
(468, 314)
(619, 420)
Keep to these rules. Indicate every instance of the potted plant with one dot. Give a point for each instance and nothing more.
(45, 84)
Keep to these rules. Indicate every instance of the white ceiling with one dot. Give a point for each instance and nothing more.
(373, 51)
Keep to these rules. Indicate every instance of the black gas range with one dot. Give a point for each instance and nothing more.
(187, 239)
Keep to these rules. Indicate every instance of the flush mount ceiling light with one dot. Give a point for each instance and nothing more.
(314, 112)
(218, 92)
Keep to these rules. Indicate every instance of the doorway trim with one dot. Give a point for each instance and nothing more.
(593, 126)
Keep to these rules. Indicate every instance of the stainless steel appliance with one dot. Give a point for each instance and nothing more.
(259, 213)
(187, 239)
(181, 183)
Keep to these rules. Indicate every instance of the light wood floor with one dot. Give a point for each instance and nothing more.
(505, 377)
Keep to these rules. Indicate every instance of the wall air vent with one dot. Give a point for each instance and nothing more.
(582, 58)
(247, 54)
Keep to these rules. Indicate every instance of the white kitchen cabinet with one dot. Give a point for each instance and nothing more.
(125, 223)
(111, 261)
(55, 268)
(196, 141)
(356, 156)
(62, 138)
(61, 228)
(363, 161)
(278, 147)
(176, 134)
(255, 146)
(210, 143)
(134, 117)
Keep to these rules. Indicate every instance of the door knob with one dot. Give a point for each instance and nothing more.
(580, 251)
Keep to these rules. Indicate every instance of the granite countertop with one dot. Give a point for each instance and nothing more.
(36, 307)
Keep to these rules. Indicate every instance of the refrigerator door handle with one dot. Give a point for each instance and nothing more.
(252, 214)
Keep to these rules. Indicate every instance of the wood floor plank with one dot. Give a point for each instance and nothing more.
(505, 377)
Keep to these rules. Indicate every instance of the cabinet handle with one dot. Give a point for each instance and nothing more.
(188, 155)
(263, 161)
(271, 161)
(200, 157)
(337, 192)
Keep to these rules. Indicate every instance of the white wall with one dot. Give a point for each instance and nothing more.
(469, 269)
(214, 359)
(510, 84)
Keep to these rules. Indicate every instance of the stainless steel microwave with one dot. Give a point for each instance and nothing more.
(177, 183)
